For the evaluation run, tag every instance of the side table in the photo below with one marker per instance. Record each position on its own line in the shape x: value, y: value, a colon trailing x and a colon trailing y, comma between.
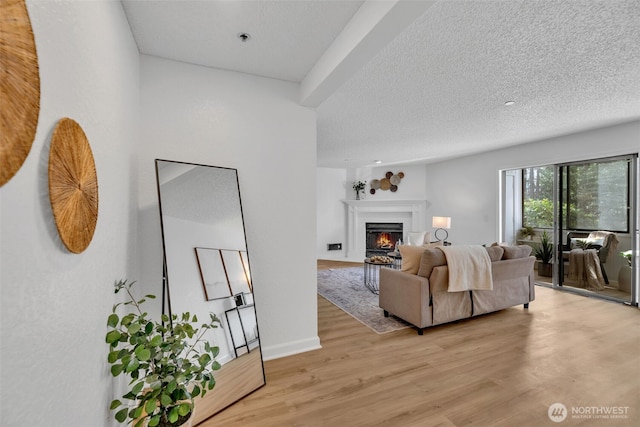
x: 372, y: 274
x: 397, y: 259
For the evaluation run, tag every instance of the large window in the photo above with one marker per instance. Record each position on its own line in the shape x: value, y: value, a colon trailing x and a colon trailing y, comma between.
x: 595, y: 196
x: 537, y: 197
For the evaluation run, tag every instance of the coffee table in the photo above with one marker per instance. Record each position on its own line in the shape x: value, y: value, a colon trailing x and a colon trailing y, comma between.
x: 372, y: 274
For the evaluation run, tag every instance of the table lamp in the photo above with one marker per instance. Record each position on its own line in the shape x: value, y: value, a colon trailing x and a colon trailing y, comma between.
x: 441, y: 223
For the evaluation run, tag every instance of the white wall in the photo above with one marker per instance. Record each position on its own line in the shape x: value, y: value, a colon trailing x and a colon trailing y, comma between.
x: 54, y: 304
x: 467, y: 188
x: 331, y: 220
x: 221, y: 118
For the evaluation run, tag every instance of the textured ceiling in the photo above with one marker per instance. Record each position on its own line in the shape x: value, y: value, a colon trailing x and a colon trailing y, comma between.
x: 437, y: 89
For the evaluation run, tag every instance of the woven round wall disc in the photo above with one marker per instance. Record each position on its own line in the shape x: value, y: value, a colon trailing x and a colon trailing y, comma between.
x: 385, y: 184
x: 73, y: 185
x: 19, y: 87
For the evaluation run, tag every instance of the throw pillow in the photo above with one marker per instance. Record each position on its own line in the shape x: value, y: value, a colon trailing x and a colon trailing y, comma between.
x: 415, y: 238
x: 495, y: 252
x: 410, y: 258
x: 432, y: 257
x: 594, y: 241
x: 519, y: 251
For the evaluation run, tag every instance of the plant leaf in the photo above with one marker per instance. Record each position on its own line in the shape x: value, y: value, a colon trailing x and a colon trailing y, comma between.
x: 113, y: 356
x: 154, y: 421
x: 204, y: 359
x: 132, y: 365
x: 115, y: 404
x: 126, y: 320
x: 143, y: 353
x: 150, y: 406
x: 184, y: 409
x: 165, y: 400
x: 215, y: 351
x: 113, y: 337
x: 155, y: 341
x: 133, y: 328
x: 117, y: 369
x: 173, y: 415
x: 137, y: 388
x: 121, y: 415
x: 137, y: 412
x: 112, y: 321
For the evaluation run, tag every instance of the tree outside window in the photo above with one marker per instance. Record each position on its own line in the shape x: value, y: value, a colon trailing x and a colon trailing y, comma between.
x: 537, y: 197
x: 595, y: 196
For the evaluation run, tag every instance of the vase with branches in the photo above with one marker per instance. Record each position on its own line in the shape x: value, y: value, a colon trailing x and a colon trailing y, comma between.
x: 359, y: 187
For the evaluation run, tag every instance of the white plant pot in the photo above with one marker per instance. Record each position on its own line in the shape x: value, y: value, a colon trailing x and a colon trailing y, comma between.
x: 624, y: 278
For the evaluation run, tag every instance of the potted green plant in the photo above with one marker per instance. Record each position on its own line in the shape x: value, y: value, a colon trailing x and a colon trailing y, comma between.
x: 624, y: 274
x: 527, y: 232
x: 544, y: 252
x: 358, y: 187
x: 168, y: 362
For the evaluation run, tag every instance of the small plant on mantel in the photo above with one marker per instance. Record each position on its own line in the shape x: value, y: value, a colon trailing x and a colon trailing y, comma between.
x: 358, y: 187
x: 169, y: 363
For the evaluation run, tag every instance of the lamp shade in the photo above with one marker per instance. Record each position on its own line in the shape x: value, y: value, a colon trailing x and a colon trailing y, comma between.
x: 441, y: 222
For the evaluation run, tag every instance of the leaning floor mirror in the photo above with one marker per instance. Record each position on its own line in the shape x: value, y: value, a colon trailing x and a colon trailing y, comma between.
x: 207, y: 271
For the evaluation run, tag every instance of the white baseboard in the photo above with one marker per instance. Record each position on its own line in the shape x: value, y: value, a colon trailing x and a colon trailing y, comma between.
x: 290, y: 348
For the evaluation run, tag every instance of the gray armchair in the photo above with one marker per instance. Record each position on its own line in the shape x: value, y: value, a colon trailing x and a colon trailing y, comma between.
x: 592, y: 240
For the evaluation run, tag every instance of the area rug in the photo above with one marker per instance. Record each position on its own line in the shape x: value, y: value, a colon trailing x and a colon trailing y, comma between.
x: 344, y: 287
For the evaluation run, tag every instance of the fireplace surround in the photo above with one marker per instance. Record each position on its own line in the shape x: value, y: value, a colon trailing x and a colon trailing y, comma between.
x: 381, y: 237
x: 411, y: 213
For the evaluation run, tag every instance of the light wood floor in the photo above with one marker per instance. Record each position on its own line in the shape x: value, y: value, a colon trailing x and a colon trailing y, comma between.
x: 502, y: 369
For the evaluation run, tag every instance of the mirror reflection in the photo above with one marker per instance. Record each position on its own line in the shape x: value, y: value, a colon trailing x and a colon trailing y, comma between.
x: 208, y: 271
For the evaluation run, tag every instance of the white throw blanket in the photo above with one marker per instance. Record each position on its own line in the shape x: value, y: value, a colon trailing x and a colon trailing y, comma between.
x: 469, y: 268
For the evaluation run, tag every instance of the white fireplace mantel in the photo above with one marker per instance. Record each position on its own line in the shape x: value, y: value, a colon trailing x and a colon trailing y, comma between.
x: 411, y: 213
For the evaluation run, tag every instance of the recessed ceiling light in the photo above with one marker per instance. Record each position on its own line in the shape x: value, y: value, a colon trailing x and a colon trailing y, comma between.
x: 509, y: 103
x: 244, y: 37
x: 377, y: 162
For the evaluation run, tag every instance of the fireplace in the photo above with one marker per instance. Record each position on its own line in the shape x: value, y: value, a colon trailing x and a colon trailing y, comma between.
x: 381, y: 237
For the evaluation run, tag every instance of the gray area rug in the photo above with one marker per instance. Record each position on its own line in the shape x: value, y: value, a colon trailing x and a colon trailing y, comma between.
x: 344, y: 287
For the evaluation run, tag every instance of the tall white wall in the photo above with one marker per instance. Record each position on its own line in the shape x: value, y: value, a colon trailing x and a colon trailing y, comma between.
x: 221, y: 118
x: 467, y: 189
x: 54, y: 304
x: 331, y: 188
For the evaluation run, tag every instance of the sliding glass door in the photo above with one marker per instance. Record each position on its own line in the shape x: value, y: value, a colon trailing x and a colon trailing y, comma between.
x: 595, y: 224
x: 588, y: 210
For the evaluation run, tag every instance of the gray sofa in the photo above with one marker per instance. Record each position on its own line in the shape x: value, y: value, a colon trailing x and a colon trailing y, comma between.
x: 422, y: 299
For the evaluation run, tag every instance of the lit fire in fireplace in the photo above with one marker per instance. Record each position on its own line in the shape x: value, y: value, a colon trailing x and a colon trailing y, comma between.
x: 384, y: 241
